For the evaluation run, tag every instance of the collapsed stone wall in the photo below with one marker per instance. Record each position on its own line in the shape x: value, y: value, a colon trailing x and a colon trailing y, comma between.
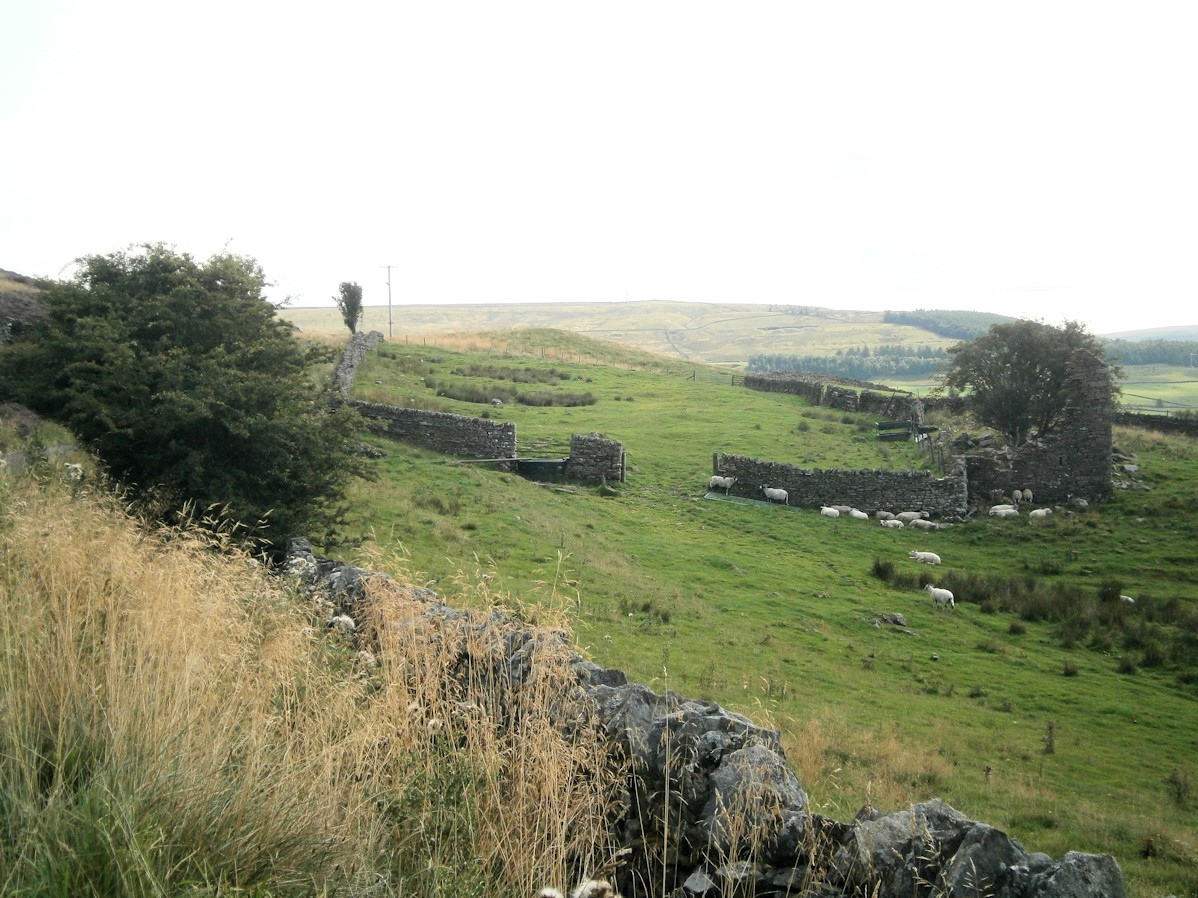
x: 867, y: 490
x: 595, y: 459
x: 451, y: 434
x: 1074, y: 461
x: 705, y: 785
x: 351, y: 358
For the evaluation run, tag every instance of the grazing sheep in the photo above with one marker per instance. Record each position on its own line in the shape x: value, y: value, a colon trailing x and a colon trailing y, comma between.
x: 908, y: 516
x: 775, y: 495
x: 892, y: 523
x: 721, y: 483
x: 941, y: 596
x: 920, y: 524
x: 1017, y: 496
x: 925, y: 557
x: 883, y: 516
x: 829, y: 512
x: 1004, y: 512
x: 1039, y: 513
x: 1027, y: 496
x: 1127, y: 600
x: 859, y: 515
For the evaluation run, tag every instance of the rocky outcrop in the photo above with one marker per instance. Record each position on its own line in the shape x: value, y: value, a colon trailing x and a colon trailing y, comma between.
x: 709, y: 795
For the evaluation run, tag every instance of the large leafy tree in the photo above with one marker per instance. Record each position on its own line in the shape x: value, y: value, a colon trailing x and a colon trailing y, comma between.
x: 191, y: 391
x: 1017, y: 375
x: 349, y: 301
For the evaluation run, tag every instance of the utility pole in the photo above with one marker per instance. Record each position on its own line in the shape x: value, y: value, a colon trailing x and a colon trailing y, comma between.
x: 390, y: 330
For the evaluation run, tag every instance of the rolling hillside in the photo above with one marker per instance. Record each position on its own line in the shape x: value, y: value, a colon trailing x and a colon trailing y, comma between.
x: 1065, y: 731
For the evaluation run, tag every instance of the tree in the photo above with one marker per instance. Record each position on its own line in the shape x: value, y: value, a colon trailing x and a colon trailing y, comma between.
x: 350, y: 304
x: 192, y: 393
x: 1017, y: 375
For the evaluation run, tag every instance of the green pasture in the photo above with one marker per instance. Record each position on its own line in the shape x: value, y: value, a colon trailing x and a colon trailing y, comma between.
x: 768, y: 610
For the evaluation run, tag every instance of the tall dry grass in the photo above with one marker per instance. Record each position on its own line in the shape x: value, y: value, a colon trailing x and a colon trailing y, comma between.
x: 173, y: 722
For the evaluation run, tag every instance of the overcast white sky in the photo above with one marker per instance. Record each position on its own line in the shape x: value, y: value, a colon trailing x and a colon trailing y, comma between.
x: 1035, y: 159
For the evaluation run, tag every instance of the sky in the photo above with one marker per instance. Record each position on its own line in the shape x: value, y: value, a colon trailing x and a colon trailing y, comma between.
x: 1031, y: 159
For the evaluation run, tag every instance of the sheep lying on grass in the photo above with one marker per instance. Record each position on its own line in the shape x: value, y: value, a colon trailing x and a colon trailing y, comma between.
x: 925, y: 557
x: 828, y: 512
x: 1039, y: 513
x: 892, y: 523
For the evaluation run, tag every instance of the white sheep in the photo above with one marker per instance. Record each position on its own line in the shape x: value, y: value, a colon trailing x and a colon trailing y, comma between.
x: 997, y: 512
x: 883, y: 516
x: 1127, y: 600
x: 74, y: 472
x: 921, y: 524
x: 775, y: 495
x: 1017, y: 496
x: 829, y: 512
x: 1027, y: 496
x: 941, y: 596
x: 843, y: 509
x: 1039, y: 513
x: 892, y: 523
x: 925, y: 557
x: 858, y: 515
x: 908, y: 516
x: 721, y: 483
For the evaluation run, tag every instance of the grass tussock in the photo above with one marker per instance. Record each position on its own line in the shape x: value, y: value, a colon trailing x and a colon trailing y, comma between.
x: 173, y: 722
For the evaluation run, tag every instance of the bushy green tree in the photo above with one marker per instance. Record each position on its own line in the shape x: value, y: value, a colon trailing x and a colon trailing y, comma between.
x: 349, y: 301
x: 183, y: 381
x: 1017, y: 375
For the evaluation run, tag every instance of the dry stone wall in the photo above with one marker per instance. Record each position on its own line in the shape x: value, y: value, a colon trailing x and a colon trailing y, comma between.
x: 868, y: 490
x: 451, y: 434
x: 594, y: 458
x: 859, y: 396
x: 355, y: 351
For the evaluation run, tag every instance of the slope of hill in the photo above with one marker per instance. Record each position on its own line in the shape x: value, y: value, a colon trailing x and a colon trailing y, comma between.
x: 696, y: 332
x: 20, y: 297
x: 1183, y: 332
x: 1056, y: 727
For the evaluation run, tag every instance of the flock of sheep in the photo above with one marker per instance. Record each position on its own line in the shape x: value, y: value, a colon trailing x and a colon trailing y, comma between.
x: 915, y: 519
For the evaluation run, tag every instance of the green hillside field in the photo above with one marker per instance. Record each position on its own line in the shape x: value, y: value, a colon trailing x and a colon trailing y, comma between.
x: 1062, y: 718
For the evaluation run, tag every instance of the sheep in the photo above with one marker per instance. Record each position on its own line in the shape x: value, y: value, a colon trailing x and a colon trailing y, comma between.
x: 858, y: 515
x: 941, y: 596
x: 892, y: 523
x: 829, y: 512
x: 883, y: 516
x: 998, y: 512
x: 1027, y: 496
x: 1001, y: 507
x: 1039, y: 513
x: 588, y: 888
x: 721, y: 483
x: 843, y: 509
x: 925, y: 557
x: 908, y: 516
x: 920, y: 524
x: 1127, y: 600
x: 74, y: 472
x: 775, y: 495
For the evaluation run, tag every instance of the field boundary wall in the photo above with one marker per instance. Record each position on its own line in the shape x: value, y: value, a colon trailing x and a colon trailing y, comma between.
x: 869, y: 490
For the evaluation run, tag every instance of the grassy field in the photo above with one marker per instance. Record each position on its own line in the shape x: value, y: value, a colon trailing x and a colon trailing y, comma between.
x: 1074, y: 732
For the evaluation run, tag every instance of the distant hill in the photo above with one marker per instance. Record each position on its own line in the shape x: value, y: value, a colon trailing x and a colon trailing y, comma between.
x: 1181, y: 332
x: 959, y: 325
x: 715, y: 333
